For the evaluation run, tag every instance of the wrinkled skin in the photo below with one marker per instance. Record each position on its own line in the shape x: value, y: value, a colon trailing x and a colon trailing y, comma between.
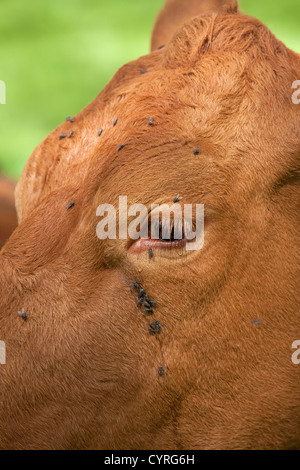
x: 82, y: 371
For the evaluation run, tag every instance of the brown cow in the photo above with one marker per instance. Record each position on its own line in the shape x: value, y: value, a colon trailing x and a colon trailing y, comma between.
x: 82, y: 369
x: 8, y: 216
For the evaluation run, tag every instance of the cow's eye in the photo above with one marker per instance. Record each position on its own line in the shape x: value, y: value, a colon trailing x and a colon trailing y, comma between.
x: 162, y: 234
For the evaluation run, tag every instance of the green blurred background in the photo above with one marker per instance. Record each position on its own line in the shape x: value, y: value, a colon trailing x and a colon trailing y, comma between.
x: 57, y: 55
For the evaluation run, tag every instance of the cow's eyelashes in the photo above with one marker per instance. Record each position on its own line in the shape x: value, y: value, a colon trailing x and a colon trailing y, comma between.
x: 165, y: 234
x: 166, y: 231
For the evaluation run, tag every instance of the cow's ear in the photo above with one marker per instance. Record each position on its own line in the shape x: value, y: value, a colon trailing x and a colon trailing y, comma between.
x: 176, y: 12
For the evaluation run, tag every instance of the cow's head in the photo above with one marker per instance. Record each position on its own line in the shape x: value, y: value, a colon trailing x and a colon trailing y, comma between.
x: 83, y: 370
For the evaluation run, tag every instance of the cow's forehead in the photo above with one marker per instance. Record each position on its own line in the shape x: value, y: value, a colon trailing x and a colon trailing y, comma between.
x: 207, y: 87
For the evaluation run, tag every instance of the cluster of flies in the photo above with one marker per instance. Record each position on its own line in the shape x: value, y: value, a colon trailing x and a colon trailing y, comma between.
x: 148, y: 305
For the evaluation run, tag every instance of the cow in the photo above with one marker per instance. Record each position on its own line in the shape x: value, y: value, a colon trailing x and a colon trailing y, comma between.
x: 206, y: 118
x: 8, y: 216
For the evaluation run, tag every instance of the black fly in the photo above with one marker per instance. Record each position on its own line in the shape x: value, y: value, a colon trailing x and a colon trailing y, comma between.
x: 155, y: 327
x: 177, y: 198
x: 142, y: 292
x: 152, y: 328
x: 148, y: 311
x: 22, y: 314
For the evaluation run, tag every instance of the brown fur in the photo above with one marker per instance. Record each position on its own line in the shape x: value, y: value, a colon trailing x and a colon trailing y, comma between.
x: 176, y: 12
x: 8, y: 216
x: 82, y: 371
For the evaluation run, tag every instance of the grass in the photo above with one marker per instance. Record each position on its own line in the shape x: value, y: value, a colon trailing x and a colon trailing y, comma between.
x: 57, y: 56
